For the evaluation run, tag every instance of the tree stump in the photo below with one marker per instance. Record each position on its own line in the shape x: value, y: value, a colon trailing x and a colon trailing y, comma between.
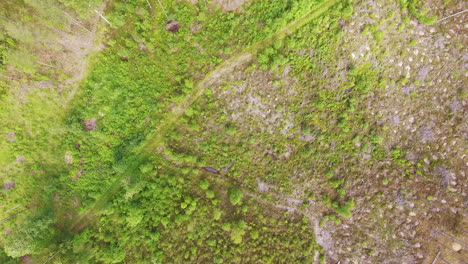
x: 90, y: 124
x: 172, y: 26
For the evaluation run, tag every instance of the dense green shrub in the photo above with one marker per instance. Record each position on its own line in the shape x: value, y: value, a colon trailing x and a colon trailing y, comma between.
x: 235, y: 196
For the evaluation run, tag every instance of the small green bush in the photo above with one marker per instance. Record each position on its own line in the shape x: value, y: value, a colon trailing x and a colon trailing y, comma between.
x: 235, y: 196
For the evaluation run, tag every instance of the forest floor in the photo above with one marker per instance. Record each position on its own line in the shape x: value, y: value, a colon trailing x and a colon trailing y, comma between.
x: 351, y: 122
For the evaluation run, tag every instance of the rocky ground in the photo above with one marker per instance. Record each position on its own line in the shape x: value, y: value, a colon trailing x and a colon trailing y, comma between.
x: 424, y: 109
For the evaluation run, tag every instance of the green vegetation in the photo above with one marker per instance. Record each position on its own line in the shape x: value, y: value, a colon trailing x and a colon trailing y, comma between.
x: 421, y: 15
x: 235, y: 196
x: 345, y: 209
x: 229, y: 141
x: 101, y: 188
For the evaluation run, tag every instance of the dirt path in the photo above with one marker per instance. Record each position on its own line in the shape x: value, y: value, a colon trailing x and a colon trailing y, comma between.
x: 156, y: 139
x: 86, y: 46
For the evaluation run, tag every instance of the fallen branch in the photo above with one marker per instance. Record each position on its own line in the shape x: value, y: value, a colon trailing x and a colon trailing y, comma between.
x: 454, y: 238
x: 8, y: 217
x: 76, y: 22
x: 147, y: 1
x: 162, y: 7
x: 11, y: 209
x: 58, y: 251
x: 447, y: 17
x: 97, y: 12
x: 442, y: 244
x: 436, y: 257
x: 49, y: 66
x: 8, y: 19
x: 8, y: 77
x: 445, y: 261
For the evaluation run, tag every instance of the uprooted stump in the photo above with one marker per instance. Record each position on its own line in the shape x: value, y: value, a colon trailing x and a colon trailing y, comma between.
x: 90, y: 124
x: 172, y: 26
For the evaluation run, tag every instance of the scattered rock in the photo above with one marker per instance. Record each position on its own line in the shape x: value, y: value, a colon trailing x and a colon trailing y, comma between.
x: 413, y: 158
x: 439, y: 42
x: 142, y: 46
x: 342, y: 23
x: 195, y: 27
x: 8, y: 185
x: 419, y: 255
x: 408, y: 89
x: 366, y: 156
x: 263, y: 186
x: 286, y: 70
x: 399, y: 198
x: 294, y: 202
x: 426, y: 134
x: 226, y: 168
x: 422, y: 74
x: 302, y: 52
x: 395, y: 119
x: 307, y: 138
x: 229, y: 5
x: 139, y: 11
x: 68, y: 158
x: 456, y: 247
x: 446, y: 175
x: 173, y: 26
x: 78, y: 175
x: 11, y: 136
x: 454, y: 106
x: 90, y: 124
x: 20, y: 159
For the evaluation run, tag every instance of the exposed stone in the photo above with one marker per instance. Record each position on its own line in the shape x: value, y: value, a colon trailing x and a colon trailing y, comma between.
x: 11, y: 136
x: 454, y: 106
x: 456, y: 247
x: 263, y: 186
x: 142, y: 46
x: 20, y: 159
x: 423, y: 72
x: 195, y: 27
x: 426, y: 134
x: 68, y: 158
x: 8, y: 185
